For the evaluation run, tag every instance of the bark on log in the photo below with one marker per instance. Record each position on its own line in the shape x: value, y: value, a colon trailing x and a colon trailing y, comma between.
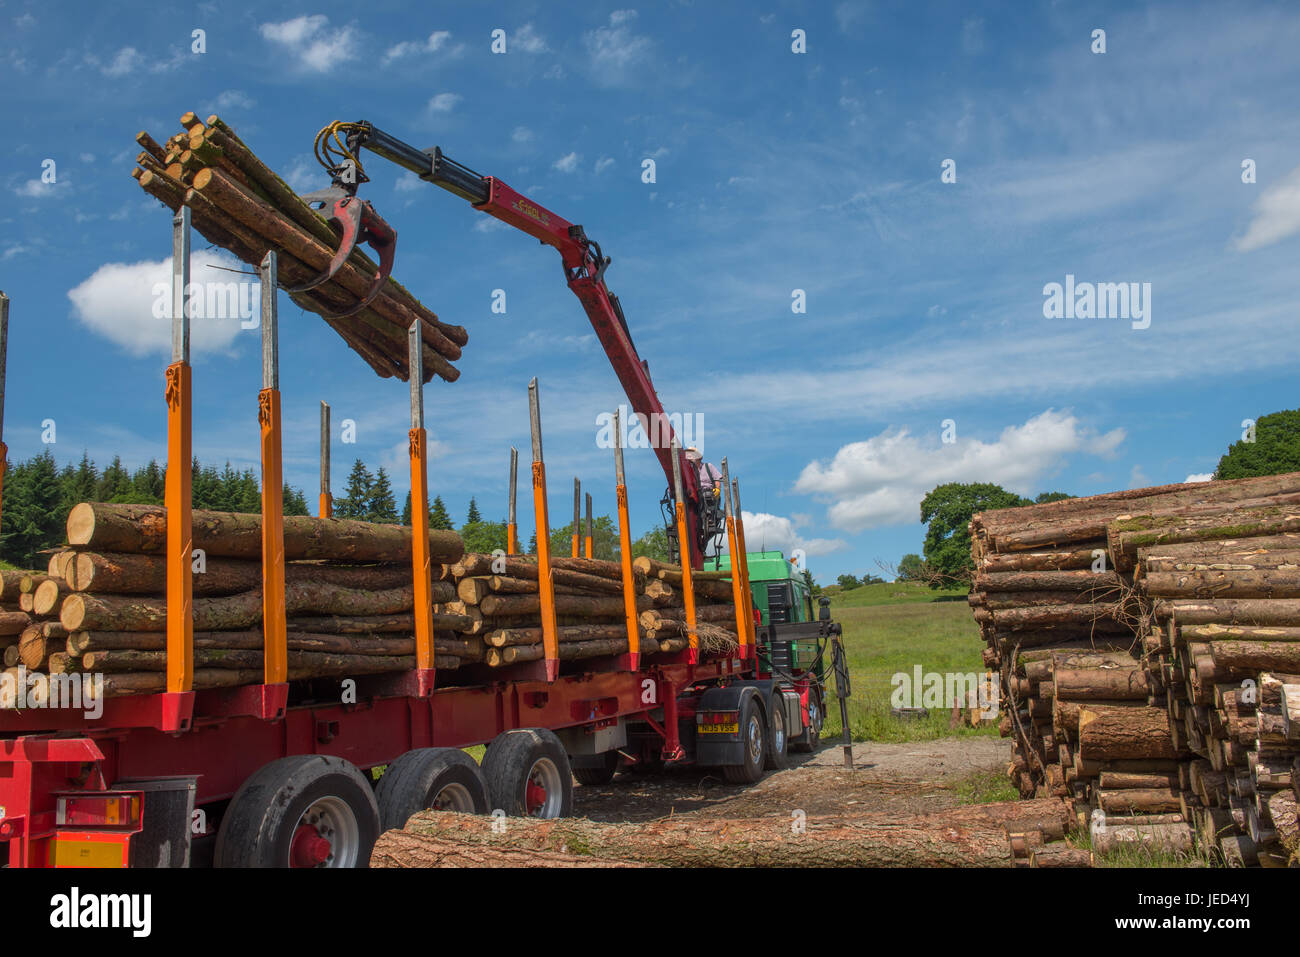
x: 1116, y: 683
x: 961, y: 837
x: 578, y: 605
x: 1110, y: 732
x: 142, y: 528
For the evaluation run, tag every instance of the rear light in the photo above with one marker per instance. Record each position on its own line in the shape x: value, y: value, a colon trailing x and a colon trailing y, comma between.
x: 717, y: 717
x: 120, y: 810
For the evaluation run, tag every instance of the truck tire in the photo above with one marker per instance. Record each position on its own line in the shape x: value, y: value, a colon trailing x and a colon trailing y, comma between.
x: 528, y: 774
x: 594, y: 777
x: 753, y: 736
x: 811, y: 738
x: 446, y: 779
x: 778, y: 741
x: 308, y: 810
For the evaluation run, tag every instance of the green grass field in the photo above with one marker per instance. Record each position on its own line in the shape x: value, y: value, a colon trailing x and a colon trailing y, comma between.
x: 890, y: 629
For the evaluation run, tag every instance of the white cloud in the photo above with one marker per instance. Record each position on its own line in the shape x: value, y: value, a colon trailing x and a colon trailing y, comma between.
x: 117, y: 301
x: 528, y: 40
x: 881, y: 481
x: 1200, y: 477
x: 487, y: 224
x: 127, y: 60
x: 1137, y: 478
x: 306, y: 175
x: 436, y: 41
x: 12, y: 251
x: 408, y: 182
x: 615, y: 49
x: 603, y: 164
x: 567, y: 164
x: 1276, y: 214
x: 25, y: 21
x: 764, y: 530
x: 444, y: 102
x: 522, y: 134
x: 38, y: 189
x: 309, y: 40
x: 234, y: 100
x: 972, y: 36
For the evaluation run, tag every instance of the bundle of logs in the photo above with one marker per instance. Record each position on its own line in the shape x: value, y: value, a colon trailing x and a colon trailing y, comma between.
x: 348, y: 600
x: 500, y: 596
x: 1105, y: 618
x: 238, y: 203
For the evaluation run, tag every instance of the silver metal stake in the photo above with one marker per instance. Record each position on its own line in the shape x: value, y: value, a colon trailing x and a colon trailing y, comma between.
x: 181, y: 285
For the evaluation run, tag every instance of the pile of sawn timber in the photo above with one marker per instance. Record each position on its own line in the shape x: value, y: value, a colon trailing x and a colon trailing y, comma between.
x: 348, y: 597
x: 238, y: 203
x: 1145, y: 644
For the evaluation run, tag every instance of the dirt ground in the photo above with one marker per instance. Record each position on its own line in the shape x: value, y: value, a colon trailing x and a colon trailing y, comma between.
x: 911, y: 778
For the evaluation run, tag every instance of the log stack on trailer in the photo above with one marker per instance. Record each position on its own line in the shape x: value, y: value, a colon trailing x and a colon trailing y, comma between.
x: 241, y: 205
x: 1095, y: 693
x: 348, y: 602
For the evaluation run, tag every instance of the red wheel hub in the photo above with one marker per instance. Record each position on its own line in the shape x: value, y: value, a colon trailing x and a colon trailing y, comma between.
x: 534, y: 797
x: 308, y: 849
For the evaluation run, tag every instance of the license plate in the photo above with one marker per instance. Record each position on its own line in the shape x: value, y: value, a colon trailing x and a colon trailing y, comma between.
x: 731, y: 727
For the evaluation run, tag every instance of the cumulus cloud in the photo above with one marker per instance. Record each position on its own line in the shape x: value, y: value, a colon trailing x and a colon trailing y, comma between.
x: 1276, y: 214
x: 437, y: 41
x: 1200, y: 477
x: 310, y: 41
x: 528, y: 40
x: 764, y: 530
x: 119, y: 301
x: 444, y: 102
x: 615, y: 49
x: 234, y: 100
x: 881, y: 481
x: 568, y: 163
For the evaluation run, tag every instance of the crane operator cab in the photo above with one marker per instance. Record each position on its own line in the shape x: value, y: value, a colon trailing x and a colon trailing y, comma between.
x: 711, y: 519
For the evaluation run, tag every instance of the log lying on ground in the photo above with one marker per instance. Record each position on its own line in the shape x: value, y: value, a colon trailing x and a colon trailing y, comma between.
x: 972, y: 836
x: 143, y: 529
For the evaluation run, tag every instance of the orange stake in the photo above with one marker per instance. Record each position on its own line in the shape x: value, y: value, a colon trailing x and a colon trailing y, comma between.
x: 421, y: 566
x: 746, y: 590
x: 274, y: 630
x: 545, y: 584
x: 275, y: 654
x: 684, y: 556
x: 577, y: 517
x: 180, y: 538
x: 625, y: 554
x: 180, y: 465
x: 512, y: 527
x: 737, y: 581
x: 586, y: 547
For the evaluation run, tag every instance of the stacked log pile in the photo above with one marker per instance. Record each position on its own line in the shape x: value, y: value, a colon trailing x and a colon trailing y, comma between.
x: 21, y: 630
x: 1223, y: 639
x: 238, y: 203
x: 500, y: 596
x: 1068, y: 613
x: 348, y: 600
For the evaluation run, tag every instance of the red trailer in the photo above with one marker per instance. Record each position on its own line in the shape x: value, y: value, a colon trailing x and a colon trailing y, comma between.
x: 232, y: 778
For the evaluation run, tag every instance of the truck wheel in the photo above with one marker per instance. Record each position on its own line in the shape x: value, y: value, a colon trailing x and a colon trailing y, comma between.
x: 599, y: 775
x: 777, y: 739
x: 753, y: 735
x: 309, y: 810
x: 528, y: 774
x: 445, y: 779
x: 812, y: 736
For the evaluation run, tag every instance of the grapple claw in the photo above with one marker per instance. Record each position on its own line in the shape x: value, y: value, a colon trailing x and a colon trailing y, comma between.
x: 358, y: 222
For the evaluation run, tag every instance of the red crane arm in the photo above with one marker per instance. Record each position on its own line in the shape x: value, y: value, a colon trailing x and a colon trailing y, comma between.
x: 584, y: 269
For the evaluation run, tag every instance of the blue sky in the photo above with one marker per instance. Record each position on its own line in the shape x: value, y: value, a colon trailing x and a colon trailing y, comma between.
x: 775, y: 171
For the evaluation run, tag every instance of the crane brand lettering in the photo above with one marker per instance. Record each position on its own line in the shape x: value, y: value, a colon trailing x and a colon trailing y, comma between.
x: 1102, y: 300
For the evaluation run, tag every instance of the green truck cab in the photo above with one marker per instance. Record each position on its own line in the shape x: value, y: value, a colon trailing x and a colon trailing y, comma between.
x: 781, y: 595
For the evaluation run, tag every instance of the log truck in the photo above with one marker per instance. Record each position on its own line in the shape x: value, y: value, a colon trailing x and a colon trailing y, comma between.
x: 289, y: 776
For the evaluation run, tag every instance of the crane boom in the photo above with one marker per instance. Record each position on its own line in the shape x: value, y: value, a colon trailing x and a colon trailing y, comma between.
x: 584, y: 272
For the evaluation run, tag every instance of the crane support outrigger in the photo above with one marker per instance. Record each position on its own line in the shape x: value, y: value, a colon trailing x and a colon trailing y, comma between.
x: 337, y: 148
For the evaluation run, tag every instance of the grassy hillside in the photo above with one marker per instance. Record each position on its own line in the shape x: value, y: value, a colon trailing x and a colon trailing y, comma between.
x: 890, y: 629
